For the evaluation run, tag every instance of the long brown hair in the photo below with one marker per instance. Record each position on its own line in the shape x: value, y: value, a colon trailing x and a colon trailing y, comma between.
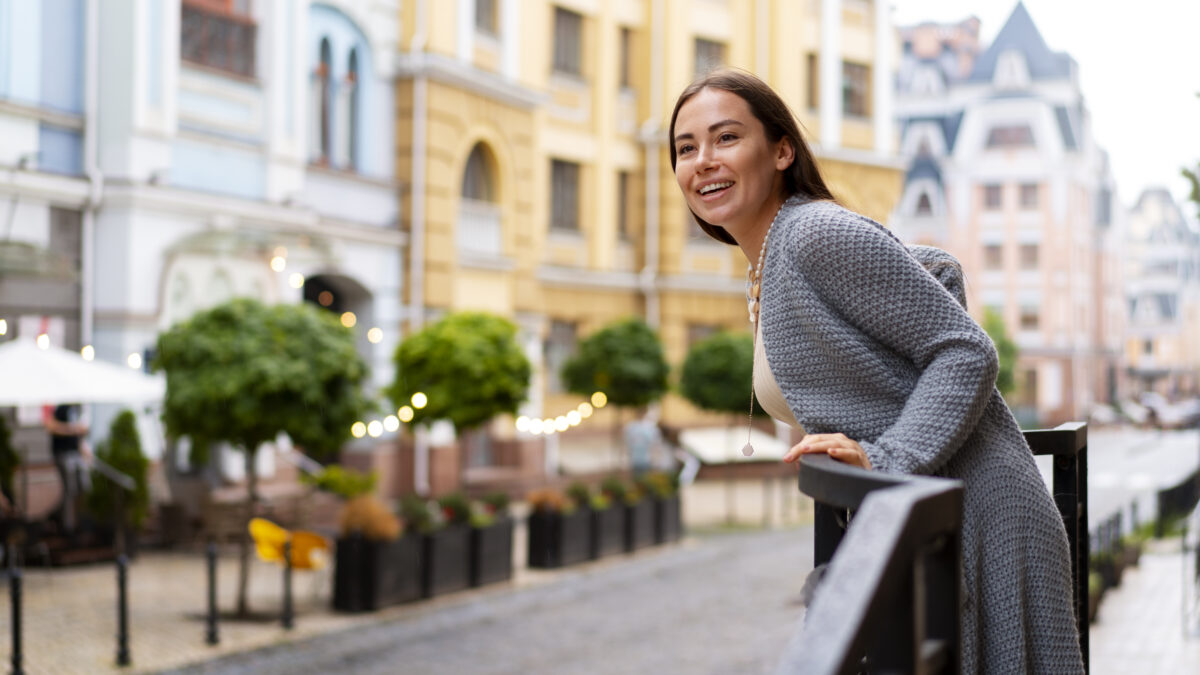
x: 802, y: 177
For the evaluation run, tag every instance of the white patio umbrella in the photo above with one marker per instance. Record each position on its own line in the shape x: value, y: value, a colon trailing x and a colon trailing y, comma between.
x: 30, y: 375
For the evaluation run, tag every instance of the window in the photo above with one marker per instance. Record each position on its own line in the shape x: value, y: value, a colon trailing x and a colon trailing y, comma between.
x: 626, y: 57
x: 991, y: 197
x: 477, y: 180
x: 1029, y: 196
x: 1148, y: 347
x: 700, y: 331
x: 924, y: 206
x: 1029, y: 256
x: 345, y: 150
x: 1028, y: 387
x: 322, y: 92
x: 1029, y: 317
x: 709, y: 56
x: 218, y: 34
x: 568, y: 42
x: 564, y: 195
x: 485, y: 16
x: 993, y: 257
x: 813, y: 79
x: 559, y: 346
x: 1010, y: 136
x: 623, y: 206
x: 856, y: 89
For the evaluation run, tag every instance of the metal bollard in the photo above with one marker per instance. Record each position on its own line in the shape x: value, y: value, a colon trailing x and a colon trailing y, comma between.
x: 210, y: 634
x: 288, y: 617
x: 14, y: 594
x: 122, y: 611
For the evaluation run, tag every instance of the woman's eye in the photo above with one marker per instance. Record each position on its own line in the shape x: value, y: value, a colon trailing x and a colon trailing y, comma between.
x: 684, y: 149
x: 727, y: 137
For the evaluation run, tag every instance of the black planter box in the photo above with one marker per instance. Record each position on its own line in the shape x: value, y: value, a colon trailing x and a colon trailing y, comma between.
x: 668, y: 524
x: 639, y: 525
x: 557, y: 539
x: 445, y: 556
x: 608, y: 531
x: 491, y: 553
x: 370, y: 575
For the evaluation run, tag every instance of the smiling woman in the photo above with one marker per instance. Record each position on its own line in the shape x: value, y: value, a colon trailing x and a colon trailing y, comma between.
x: 860, y: 345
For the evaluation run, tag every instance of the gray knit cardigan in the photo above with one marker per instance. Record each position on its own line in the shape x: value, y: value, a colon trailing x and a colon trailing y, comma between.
x: 864, y: 341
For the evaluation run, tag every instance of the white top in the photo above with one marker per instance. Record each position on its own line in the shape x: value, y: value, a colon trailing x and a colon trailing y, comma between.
x: 766, y: 388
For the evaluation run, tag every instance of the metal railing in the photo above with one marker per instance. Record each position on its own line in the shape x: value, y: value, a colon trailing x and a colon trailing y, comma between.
x: 890, y: 597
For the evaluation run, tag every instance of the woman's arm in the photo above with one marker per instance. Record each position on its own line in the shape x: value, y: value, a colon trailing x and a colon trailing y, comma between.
x: 867, y: 277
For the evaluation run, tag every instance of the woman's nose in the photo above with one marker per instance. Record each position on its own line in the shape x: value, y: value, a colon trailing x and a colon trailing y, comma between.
x: 706, y: 157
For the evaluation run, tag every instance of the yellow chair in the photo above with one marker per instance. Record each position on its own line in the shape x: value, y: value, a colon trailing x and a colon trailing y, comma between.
x: 310, y: 551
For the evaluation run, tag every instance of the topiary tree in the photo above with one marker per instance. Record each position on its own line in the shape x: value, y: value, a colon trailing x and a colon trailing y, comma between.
x: 468, y: 365
x: 717, y: 374
x: 243, y: 372
x: 1006, y: 349
x: 625, y: 361
x: 122, y: 450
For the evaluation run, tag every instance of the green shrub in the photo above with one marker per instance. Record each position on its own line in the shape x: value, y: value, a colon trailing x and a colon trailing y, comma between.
x: 343, y: 482
x: 122, y: 450
x: 614, y: 488
x: 456, y: 508
x: 416, y: 514
x: 579, y: 493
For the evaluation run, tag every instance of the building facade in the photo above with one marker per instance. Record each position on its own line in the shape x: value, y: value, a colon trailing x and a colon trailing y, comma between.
x: 164, y: 157
x: 1005, y: 173
x: 1162, y: 259
x: 532, y: 136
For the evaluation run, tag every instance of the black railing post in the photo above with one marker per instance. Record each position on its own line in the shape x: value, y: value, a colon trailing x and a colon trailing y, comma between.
x: 288, y: 616
x: 122, y: 611
x: 14, y: 596
x: 210, y: 634
x: 827, y: 531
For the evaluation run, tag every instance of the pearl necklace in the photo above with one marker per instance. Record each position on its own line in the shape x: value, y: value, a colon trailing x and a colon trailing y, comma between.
x: 753, y: 306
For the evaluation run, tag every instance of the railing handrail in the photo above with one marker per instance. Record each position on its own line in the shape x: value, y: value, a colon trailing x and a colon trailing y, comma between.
x: 1065, y: 439
x: 898, y: 520
x: 124, y: 480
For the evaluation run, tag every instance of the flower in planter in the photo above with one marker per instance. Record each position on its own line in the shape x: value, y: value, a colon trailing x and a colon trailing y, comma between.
x: 633, y: 495
x: 614, y: 488
x: 549, y: 500
x: 496, y: 503
x: 490, y: 508
x: 659, y: 484
x: 579, y: 493
x: 415, y: 512
x: 600, y: 502
x: 368, y: 516
x: 455, y: 508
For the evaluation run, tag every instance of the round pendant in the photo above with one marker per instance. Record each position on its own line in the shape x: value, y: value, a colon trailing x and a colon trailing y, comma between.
x: 747, y: 449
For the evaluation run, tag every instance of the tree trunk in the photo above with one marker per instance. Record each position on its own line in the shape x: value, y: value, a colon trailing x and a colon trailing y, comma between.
x: 243, y: 608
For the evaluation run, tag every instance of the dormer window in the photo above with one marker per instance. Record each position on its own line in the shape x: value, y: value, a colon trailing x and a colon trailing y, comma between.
x: 1010, y: 136
x: 1012, y: 72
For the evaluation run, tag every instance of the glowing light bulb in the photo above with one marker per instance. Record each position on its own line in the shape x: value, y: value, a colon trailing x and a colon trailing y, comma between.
x: 419, y: 400
x: 88, y: 352
x: 348, y: 319
x: 3, y: 327
x: 585, y: 410
x: 375, y: 429
x: 599, y: 399
x: 375, y: 335
x: 134, y: 360
x: 535, y: 427
x: 522, y: 423
x: 574, y: 418
x: 358, y: 430
x: 325, y: 298
x: 279, y: 263
x: 43, y: 341
x: 296, y: 280
x: 405, y: 414
x: 391, y: 423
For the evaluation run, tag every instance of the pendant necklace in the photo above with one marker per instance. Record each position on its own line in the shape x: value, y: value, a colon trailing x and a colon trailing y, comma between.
x: 755, y: 292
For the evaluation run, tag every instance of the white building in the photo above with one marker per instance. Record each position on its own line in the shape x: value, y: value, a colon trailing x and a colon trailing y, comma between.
x: 1162, y: 258
x: 1005, y: 174
x: 157, y: 158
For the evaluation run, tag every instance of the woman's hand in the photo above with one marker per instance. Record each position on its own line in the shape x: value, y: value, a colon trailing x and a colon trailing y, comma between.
x: 836, y: 446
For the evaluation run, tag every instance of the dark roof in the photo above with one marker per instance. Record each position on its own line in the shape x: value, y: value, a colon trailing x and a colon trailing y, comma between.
x: 1020, y: 33
x: 949, y: 124
x: 923, y: 167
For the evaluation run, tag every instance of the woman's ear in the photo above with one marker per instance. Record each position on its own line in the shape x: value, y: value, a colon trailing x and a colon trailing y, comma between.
x: 786, y: 154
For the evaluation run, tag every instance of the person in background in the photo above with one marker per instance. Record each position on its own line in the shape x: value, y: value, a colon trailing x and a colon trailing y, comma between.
x: 71, y: 455
x: 643, y: 439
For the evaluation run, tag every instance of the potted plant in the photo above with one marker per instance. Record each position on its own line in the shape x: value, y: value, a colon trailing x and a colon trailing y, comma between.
x: 607, y: 520
x: 374, y: 566
x: 124, y: 511
x: 445, y: 539
x: 559, y: 531
x: 663, y: 489
x: 491, y: 540
x: 639, y: 512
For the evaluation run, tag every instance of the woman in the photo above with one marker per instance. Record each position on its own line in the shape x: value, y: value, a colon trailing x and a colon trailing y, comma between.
x: 861, y: 346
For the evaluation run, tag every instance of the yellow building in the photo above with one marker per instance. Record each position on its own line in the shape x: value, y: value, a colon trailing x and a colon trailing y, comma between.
x: 531, y: 136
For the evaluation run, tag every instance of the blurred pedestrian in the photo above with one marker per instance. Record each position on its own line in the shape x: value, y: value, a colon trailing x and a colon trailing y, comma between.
x: 72, y: 457
x: 642, y: 438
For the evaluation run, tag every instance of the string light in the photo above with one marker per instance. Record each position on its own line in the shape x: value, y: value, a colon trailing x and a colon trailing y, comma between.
x: 134, y: 360
x: 419, y: 400
x: 585, y: 410
x: 391, y: 423
x: 43, y: 341
x: 560, y: 423
x: 574, y: 418
x: 88, y: 352
x: 348, y: 319
x: 405, y: 414
x: 325, y: 298
x: 358, y: 430
x: 278, y: 263
x: 3, y: 326
x: 296, y: 280
x: 375, y: 429
x: 375, y: 335
x: 599, y: 400
x: 522, y: 423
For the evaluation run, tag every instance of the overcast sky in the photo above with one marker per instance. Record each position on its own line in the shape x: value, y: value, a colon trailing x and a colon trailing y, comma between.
x: 1138, y: 65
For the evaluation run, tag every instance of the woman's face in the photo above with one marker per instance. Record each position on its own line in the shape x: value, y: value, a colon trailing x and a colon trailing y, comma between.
x: 731, y: 174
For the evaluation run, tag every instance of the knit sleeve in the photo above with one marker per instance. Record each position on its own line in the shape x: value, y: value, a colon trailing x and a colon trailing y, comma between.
x: 867, y: 277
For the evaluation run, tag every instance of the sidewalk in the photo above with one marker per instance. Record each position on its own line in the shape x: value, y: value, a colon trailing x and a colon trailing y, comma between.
x: 1140, y: 627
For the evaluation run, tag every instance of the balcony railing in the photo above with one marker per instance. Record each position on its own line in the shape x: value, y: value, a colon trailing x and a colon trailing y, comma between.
x: 479, y: 233
x: 889, y: 600
x: 217, y: 40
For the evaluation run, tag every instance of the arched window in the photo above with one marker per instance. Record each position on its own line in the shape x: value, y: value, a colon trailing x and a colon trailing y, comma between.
x: 352, y: 123
x: 321, y: 140
x: 343, y: 116
x: 477, y: 179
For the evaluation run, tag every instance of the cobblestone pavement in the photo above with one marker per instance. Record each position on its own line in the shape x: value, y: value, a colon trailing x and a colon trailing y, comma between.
x: 718, y: 604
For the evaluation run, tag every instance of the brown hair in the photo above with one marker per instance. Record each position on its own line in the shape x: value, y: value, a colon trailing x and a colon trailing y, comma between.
x: 802, y: 177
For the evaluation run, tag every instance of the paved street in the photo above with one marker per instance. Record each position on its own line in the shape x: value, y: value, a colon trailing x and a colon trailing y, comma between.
x: 722, y: 604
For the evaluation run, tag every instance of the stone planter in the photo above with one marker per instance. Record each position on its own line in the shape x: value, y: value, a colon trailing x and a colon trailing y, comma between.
x: 639, y: 525
x: 608, y: 531
x: 491, y: 553
x: 370, y: 575
x: 445, y: 560
x: 557, y: 539
x: 668, y: 524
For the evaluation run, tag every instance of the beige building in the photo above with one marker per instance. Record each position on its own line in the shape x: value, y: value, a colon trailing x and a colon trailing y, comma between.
x: 531, y: 138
